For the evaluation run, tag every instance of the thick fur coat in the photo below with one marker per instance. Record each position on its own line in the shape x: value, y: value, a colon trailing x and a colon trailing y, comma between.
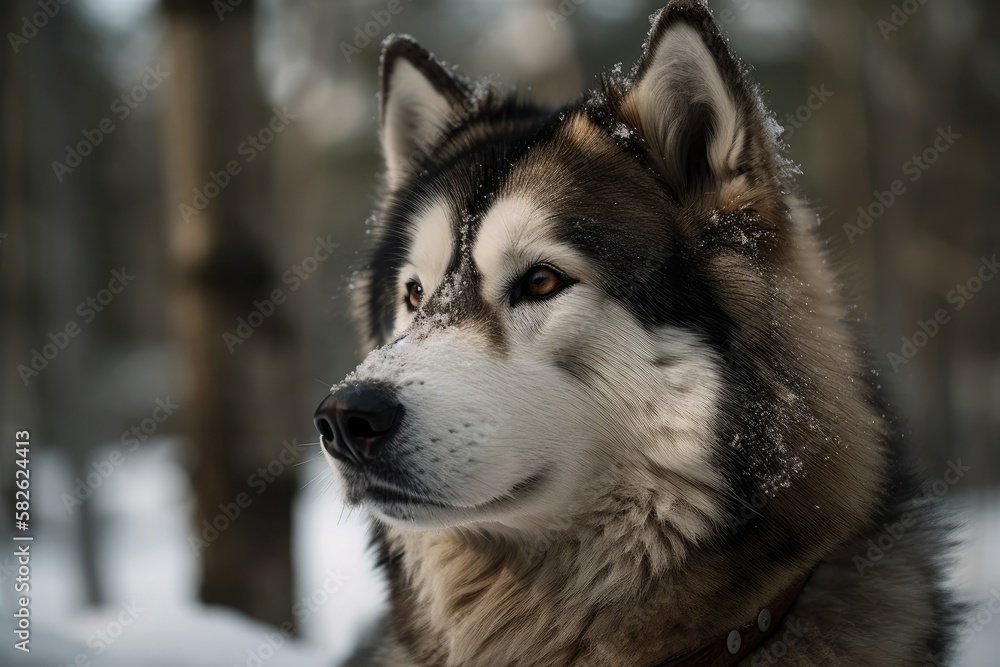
x: 629, y: 404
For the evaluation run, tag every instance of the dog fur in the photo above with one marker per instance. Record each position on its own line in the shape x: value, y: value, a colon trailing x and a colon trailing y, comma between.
x: 633, y: 467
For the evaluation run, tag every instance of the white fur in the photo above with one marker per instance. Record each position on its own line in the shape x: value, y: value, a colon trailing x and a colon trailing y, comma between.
x: 504, y: 229
x: 515, y: 235
x: 416, y: 114
x: 479, y: 422
x: 430, y: 252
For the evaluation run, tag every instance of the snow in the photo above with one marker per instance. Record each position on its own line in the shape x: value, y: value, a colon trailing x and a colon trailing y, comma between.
x: 165, y: 637
x: 623, y: 132
x: 149, y: 572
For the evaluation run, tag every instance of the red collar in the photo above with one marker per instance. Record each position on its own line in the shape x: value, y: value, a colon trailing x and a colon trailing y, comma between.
x: 736, y: 644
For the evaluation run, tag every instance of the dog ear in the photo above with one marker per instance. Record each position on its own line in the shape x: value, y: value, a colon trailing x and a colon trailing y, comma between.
x: 692, y: 104
x: 420, y: 100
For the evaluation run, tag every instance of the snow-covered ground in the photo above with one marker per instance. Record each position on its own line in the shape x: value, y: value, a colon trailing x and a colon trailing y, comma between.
x: 150, y: 573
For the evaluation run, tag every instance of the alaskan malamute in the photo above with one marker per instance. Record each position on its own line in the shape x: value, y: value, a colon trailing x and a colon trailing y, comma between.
x: 615, y: 411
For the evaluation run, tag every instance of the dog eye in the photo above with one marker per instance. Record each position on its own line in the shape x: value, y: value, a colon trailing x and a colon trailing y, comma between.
x: 539, y: 282
x: 414, y: 294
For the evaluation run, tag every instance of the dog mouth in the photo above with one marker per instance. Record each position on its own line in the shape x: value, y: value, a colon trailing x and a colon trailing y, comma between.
x: 398, y: 502
x: 380, y: 493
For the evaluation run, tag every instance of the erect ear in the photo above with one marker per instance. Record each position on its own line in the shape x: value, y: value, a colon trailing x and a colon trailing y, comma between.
x: 421, y: 99
x: 693, y: 106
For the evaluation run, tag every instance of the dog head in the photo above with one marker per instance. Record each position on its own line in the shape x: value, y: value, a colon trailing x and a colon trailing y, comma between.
x: 565, y: 305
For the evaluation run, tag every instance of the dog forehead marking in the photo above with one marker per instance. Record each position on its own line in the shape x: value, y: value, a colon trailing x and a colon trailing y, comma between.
x: 513, y: 222
x: 432, y: 245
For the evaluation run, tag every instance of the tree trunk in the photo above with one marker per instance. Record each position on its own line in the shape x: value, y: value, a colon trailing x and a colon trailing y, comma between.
x: 240, y: 402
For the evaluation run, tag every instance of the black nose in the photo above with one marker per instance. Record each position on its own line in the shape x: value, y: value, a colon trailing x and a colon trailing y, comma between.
x: 356, y: 420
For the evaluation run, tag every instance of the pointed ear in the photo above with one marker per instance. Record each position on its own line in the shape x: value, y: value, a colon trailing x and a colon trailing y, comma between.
x: 421, y: 99
x: 693, y: 105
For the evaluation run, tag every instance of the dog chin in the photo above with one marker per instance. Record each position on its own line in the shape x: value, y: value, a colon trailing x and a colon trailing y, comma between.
x: 414, y: 517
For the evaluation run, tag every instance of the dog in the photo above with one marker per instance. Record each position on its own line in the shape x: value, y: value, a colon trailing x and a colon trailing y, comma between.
x: 614, y: 409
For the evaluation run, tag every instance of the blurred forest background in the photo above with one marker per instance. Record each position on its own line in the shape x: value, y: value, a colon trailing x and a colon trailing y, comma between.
x: 184, y: 186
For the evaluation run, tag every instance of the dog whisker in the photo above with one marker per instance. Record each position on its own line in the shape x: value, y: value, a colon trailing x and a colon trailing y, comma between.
x: 325, y: 471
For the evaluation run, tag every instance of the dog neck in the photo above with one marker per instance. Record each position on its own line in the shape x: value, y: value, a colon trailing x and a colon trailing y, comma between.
x: 616, y: 592
x: 738, y: 643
